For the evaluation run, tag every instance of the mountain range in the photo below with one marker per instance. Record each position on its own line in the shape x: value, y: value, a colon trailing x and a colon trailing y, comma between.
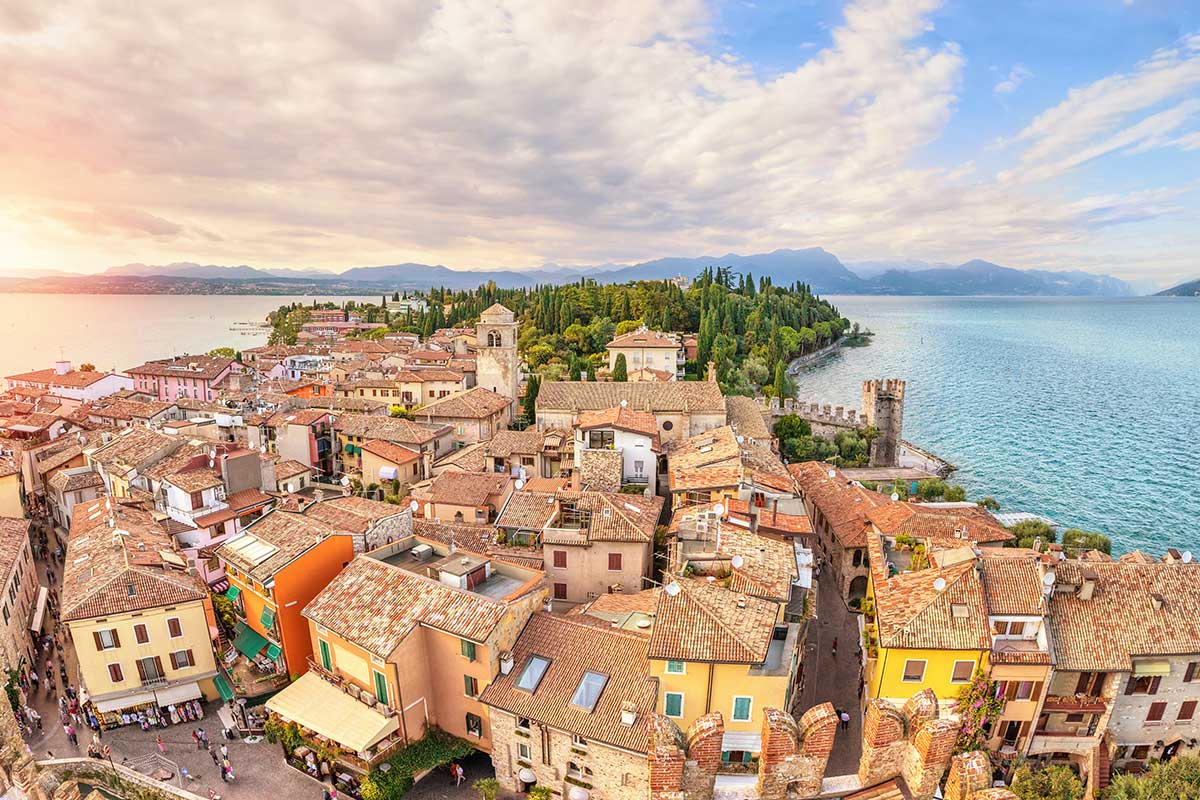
x: 817, y: 267
x: 1186, y: 289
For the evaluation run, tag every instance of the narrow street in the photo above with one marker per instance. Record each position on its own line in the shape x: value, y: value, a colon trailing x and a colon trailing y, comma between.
x: 834, y: 679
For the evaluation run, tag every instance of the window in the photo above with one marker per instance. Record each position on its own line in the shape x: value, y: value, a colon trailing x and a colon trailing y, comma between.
x: 150, y: 669
x: 326, y: 656
x: 470, y: 686
x: 141, y: 634
x: 468, y: 649
x: 174, y: 627
x: 914, y: 670
x: 532, y: 674
x: 474, y: 725
x: 1157, y: 710
x: 1027, y: 690
x: 1075, y: 717
x: 741, y: 708
x: 1187, y: 710
x: 1003, y: 628
x: 523, y: 724
x: 673, y: 704
x: 676, y: 668
x: 106, y: 639
x: 614, y: 562
x: 577, y: 772
x: 1141, y: 751
x: 560, y: 591
x: 1143, y: 685
x: 115, y: 674
x: 600, y: 440
x: 578, y: 742
x: 560, y: 559
x: 1192, y: 672
x: 197, y: 499
x: 668, y: 425
x: 963, y: 670
x: 181, y: 659
x: 523, y: 752
x: 381, y: 692
x: 588, y: 691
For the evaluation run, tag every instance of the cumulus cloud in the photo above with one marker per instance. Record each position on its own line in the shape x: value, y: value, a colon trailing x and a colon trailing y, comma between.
x: 476, y: 132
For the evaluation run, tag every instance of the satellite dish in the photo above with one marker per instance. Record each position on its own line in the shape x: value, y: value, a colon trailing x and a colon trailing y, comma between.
x: 1048, y: 579
x: 1187, y: 556
x: 895, y: 496
x: 262, y: 448
x: 287, y: 487
x: 833, y: 473
x: 940, y: 584
x: 672, y: 588
x: 719, y: 509
x: 345, y: 480
x: 624, y: 403
x: 519, y: 484
x: 737, y: 562
x: 413, y: 506
x: 211, y: 462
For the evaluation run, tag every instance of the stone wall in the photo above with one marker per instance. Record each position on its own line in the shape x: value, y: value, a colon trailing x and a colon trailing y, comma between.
x: 386, y: 531
x: 600, y: 470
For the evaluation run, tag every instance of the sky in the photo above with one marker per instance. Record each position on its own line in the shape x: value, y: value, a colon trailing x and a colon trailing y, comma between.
x: 511, y: 133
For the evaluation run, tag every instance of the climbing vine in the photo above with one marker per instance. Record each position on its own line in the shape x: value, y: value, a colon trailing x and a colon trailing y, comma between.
x: 978, y: 708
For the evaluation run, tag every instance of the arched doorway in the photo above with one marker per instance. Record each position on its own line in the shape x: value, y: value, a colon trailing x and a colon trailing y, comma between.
x: 858, y: 588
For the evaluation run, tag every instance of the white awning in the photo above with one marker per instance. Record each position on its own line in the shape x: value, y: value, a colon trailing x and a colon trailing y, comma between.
x: 388, y: 473
x: 742, y: 740
x: 178, y: 694
x: 128, y: 701
x: 319, y: 706
x: 1160, y: 668
x: 39, y: 612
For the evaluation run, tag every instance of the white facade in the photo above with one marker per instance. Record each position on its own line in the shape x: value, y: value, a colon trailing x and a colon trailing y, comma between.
x: 639, y: 462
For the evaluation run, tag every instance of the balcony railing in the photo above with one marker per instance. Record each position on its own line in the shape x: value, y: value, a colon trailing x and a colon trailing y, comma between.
x: 1050, y: 742
x: 349, y: 687
x: 154, y: 683
x: 637, y: 480
x: 1075, y: 703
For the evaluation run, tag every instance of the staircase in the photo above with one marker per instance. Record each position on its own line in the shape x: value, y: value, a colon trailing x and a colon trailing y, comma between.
x: 1103, y: 767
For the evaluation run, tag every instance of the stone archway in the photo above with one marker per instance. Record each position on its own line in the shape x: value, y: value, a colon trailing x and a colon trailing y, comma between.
x: 858, y: 587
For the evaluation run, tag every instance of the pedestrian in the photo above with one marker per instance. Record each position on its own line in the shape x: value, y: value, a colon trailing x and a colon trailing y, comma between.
x: 212, y: 751
x: 457, y: 771
x: 196, y: 739
x: 71, y: 737
x: 325, y: 795
x: 835, y: 640
x: 845, y: 718
x: 203, y: 736
x: 162, y: 748
x: 224, y: 750
x: 33, y: 678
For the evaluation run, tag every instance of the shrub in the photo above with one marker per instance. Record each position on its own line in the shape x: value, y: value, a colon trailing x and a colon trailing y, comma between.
x: 434, y: 749
x: 1055, y: 782
x: 488, y: 788
x: 540, y: 793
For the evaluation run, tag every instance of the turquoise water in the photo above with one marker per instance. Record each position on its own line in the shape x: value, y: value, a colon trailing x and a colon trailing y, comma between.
x: 1085, y: 410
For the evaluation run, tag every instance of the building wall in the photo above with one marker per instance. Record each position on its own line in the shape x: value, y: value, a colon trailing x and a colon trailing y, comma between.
x: 296, y: 585
x: 447, y: 668
x: 19, y: 594
x: 93, y: 663
x: 296, y: 442
x: 616, y: 774
x: 1128, y: 723
x: 498, y: 368
x: 727, y: 681
x: 587, y: 575
x: 887, y: 681
x: 662, y: 358
x: 407, y: 473
x: 10, y: 496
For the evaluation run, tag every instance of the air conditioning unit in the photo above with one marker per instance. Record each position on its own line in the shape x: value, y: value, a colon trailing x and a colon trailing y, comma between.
x: 701, y: 526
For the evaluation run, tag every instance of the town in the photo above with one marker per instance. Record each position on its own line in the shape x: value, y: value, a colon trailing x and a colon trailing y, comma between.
x: 410, y: 548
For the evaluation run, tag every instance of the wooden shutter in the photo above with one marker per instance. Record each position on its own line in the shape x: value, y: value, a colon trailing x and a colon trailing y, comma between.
x: 1187, y: 710
x: 114, y: 673
x: 191, y: 660
x: 174, y: 627
x: 141, y: 670
x: 1156, y: 712
x: 1036, y: 692
x: 1154, y: 682
x: 1085, y: 679
x: 96, y: 636
x: 116, y: 638
x: 1129, y: 686
x: 1190, y: 673
x: 158, y: 665
x: 560, y: 558
x: 614, y: 561
x: 141, y: 634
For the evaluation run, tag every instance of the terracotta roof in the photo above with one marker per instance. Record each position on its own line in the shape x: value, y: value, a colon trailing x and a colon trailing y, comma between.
x: 528, y: 442
x: 648, y: 374
x: 477, y: 403
x: 745, y: 416
x: 376, y: 605
x: 71, y: 481
x: 844, y: 504
x: 194, y: 480
x: 645, y: 338
x: 290, y: 467
x: 913, y: 613
x: 74, y: 379
x: 706, y: 622
x: 14, y: 538
x: 716, y: 459
x: 122, y: 569
x: 8, y: 467
x: 476, y: 538
x: 204, y: 367
x: 574, y: 646
x: 466, y: 488
x: 297, y: 416
x: 1012, y: 585
x: 771, y: 518
x: 63, y: 449
x: 1124, y: 619
x: 496, y: 310
x: 939, y: 523
x: 394, y: 453
x: 644, y: 602
x: 540, y: 484
x: 352, y: 514
x: 466, y: 459
x: 133, y: 447
x: 238, y: 502
x: 621, y: 418
x: 389, y: 429
x: 287, y: 534
x: 694, y: 397
x: 613, y: 517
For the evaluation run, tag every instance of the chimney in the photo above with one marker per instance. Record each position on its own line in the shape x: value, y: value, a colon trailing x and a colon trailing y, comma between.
x: 712, y: 372
x: 506, y: 662
x: 62, y: 367
x: 318, y: 495
x: 628, y: 713
x: 1158, y: 601
x: 1088, y: 586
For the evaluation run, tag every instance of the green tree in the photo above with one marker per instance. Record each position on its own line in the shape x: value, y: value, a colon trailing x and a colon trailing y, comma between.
x: 223, y: 352
x: 620, y: 372
x: 780, y: 387
x: 488, y: 788
x: 1075, y: 541
x: 627, y: 325
x: 990, y: 503
x: 955, y: 494
x: 529, y: 404
x: 1177, y: 779
x: 1027, y: 531
x: 1055, y: 782
x: 538, y: 355
x: 931, y: 488
x: 87, y: 367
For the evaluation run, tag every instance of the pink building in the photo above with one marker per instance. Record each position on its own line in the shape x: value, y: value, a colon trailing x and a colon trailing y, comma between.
x: 183, y: 376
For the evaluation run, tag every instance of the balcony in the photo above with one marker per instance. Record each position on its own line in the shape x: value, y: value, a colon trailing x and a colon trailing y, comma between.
x: 636, y: 480
x: 1076, y: 704
x: 1049, y: 742
x: 350, y: 688
x: 154, y: 682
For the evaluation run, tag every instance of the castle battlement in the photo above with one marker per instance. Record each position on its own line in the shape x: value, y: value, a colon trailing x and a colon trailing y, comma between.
x: 827, y: 414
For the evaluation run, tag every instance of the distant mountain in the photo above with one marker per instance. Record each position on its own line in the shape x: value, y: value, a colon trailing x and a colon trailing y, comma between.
x: 814, y: 266
x: 1188, y: 289
x: 870, y: 269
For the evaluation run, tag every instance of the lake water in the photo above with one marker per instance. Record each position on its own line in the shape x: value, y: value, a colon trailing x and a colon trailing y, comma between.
x: 1085, y: 410
x: 122, y: 331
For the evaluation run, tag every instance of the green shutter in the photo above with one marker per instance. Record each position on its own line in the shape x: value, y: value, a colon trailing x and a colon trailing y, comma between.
x: 741, y: 709
x: 223, y: 687
x: 326, y: 659
x: 468, y: 686
x: 381, y: 687
x: 268, y: 617
x: 673, y: 705
x: 232, y: 592
x: 468, y: 650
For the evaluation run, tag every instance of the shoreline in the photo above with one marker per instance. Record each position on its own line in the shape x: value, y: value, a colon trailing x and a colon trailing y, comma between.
x: 794, y: 365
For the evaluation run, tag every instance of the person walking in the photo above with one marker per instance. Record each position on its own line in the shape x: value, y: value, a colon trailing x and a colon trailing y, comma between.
x: 196, y: 738
x: 162, y: 748
x: 224, y: 751
x: 203, y: 736
x: 845, y: 718
x: 835, y: 641
x: 212, y: 751
x: 71, y: 737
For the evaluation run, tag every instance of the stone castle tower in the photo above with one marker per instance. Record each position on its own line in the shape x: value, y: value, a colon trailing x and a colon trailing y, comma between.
x: 496, y: 365
x: 883, y: 409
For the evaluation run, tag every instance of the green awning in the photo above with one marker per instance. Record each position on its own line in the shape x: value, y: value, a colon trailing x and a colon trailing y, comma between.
x: 248, y: 641
x: 233, y: 591
x: 223, y: 687
x: 273, y: 650
x: 268, y: 617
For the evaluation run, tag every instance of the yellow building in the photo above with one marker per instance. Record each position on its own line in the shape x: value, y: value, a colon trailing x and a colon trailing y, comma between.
x: 141, y: 624
x: 718, y: 465
x: 10, y: 490
x: 383, y: 462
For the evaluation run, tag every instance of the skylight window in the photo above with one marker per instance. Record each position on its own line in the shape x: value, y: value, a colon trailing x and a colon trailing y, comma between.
x: 531, y: 676
x: 588, y: 691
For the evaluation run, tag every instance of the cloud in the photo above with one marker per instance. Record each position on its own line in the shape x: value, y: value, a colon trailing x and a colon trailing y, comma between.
x: 476, y: 132
x: 1016, y: 76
